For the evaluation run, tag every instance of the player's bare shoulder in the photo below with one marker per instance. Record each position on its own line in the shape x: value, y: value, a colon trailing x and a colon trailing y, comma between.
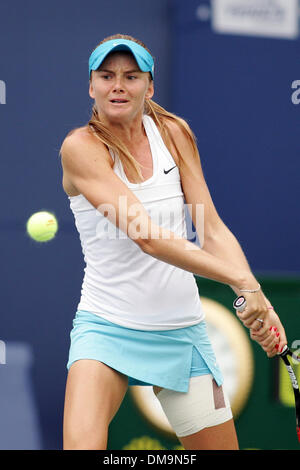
x: 82, y: 144
x: 176, y: 135
x: 178, y: 129
x: 81, y: 152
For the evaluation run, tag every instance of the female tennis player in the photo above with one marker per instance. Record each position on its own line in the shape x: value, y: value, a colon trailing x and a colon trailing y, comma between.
x: 140, y: 320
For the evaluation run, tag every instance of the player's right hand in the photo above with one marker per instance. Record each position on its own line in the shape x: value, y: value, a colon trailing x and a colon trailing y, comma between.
x: 274, y: 339
x: 256, y: 307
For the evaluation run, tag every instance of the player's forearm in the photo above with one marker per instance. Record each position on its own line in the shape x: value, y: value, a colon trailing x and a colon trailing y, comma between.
x: 188, y: 256
x: 225, y: 246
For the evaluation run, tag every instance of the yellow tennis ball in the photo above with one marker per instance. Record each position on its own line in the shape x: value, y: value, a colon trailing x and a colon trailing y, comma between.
x: 42, y: 226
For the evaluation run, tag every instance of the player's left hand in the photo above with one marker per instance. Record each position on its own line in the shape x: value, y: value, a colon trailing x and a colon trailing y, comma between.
x: 274, y: 339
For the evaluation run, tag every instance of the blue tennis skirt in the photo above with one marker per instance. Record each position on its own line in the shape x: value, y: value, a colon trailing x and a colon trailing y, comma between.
x: 166, y: 358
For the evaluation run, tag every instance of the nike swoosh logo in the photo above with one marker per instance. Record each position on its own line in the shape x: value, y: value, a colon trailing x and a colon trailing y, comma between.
x: 168, y: 171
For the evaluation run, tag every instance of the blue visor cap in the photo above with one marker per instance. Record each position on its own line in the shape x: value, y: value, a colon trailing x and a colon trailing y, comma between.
x: 141, y: 55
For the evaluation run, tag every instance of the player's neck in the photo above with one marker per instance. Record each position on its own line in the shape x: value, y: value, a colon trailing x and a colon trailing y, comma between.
x: 131, y: 133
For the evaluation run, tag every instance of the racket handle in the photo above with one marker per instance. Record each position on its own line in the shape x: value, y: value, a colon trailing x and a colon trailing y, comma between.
x: 240, y: 303
x: 285, y: 351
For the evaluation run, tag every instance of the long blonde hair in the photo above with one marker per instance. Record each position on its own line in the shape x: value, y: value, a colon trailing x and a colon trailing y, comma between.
x: 152, y: 109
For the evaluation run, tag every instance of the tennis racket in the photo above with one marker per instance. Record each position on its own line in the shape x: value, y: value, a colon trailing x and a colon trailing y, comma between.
x: 240, y: 304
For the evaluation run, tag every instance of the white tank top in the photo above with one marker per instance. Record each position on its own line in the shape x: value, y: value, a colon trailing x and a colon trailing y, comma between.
x: 123, y: 284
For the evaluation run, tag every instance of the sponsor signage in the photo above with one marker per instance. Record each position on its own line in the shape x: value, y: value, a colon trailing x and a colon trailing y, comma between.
x: 272, y: 18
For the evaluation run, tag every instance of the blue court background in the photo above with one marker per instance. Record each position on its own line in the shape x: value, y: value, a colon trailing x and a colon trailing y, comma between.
x: 234, y: 91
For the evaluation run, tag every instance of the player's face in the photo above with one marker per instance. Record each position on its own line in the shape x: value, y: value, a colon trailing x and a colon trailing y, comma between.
x: 119, y: 88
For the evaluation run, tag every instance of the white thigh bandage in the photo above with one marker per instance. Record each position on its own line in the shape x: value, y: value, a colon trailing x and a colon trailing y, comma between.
x: 204, y: 405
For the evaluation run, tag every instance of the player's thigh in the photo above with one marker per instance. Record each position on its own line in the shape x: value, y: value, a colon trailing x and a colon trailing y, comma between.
x: 94, y: 393
x: 201, y: 418
x: 220, y: 437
